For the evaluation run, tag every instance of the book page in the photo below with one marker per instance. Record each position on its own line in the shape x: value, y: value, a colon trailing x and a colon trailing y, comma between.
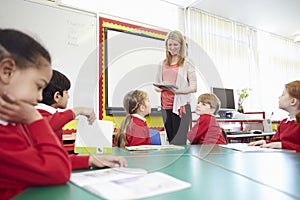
x: 106, y: 182
x: 153, y: 147
x: 245, y: 148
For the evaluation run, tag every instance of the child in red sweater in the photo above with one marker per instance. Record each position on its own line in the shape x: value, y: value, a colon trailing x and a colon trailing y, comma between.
x: 133, y: 129
x: 31, y: 155
x: 56, y: 96
x: 206, y: 130
x: 288, y: 132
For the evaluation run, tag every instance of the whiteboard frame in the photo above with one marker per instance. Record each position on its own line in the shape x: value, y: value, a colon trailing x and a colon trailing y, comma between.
x: 105, y: 111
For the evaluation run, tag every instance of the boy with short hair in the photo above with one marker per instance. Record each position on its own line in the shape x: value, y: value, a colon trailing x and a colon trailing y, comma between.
x: 207, y: 130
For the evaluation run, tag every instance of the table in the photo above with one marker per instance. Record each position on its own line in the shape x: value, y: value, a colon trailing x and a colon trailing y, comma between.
x: 213, y: 171
x: 249, y: 137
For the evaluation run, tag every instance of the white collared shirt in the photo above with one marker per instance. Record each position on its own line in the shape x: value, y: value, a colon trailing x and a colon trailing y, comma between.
x: 4, y: 123
x: 139, y: 116
x: 289, y: 119
x: 45, y: 107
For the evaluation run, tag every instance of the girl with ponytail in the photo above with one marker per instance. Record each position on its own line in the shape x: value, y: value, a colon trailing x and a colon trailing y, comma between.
x: 134, y: 129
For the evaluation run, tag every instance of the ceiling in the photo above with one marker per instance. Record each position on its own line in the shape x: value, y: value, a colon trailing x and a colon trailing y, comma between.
x: 281, y: 17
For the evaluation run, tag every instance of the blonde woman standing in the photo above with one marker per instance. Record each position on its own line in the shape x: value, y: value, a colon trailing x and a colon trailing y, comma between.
x: 175, y: 102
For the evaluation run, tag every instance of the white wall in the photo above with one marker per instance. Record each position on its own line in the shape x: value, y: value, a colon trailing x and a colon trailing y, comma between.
x: 69, y: 35
x: 155, y: 12
x: 48, y: 27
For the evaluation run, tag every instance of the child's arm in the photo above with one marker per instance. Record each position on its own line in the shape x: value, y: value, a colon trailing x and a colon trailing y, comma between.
x: 32, y: 154
x: 59, y: 119
x: 88, y: 112
x: 34, y: 157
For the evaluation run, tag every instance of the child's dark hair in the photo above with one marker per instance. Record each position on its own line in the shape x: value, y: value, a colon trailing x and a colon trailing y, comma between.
x: 293, y: 89
x: 22, y: 48
x: 131, y: 102
x: 210, y: 99
x: 58, y: 83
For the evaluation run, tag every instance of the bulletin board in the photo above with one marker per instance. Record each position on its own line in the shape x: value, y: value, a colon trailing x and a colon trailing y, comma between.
x: 129, y: 57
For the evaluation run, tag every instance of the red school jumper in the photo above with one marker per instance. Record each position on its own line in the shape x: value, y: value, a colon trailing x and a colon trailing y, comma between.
x: 288, y: 133
x: 31, y: 155
x: 138, y: 132
x: 57, y: 120
x: 206, y: 131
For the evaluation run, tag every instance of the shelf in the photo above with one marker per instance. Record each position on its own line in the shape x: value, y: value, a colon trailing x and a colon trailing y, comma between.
x: 240, y: 120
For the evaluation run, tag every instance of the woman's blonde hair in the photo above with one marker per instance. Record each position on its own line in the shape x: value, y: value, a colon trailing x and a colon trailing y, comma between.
x: 210, y: 99
x: 178, y: 37
x: 131, y: 103
x: 293, y: 89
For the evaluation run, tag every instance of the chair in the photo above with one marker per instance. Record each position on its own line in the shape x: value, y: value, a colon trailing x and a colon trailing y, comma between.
x: 225, y: 136
x: 155, y: 137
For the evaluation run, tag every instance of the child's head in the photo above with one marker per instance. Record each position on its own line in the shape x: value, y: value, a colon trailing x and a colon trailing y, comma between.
x: 208, y: 104
x: 137, y: 102
x: 25, y: 66
x: 290, y: 98
x: 134, y: 102
x: 56, y: 92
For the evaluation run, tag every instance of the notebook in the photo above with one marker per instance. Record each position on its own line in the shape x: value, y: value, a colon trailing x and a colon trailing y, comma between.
x: 243, y: 147
x: 95, y: 138
x: 126, y: 183
x: 165, y: 85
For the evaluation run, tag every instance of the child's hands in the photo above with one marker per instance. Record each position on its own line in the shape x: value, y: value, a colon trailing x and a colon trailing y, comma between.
x: 88, y: 112
x: 258, y: 143
x: 273, y: 145
x: 263, y: 144
x: 107, y: 161
x: 17, y: 111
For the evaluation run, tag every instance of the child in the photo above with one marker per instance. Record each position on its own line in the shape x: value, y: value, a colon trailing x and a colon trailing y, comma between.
x: 55, y: 96
x: 31, y: 154
x: 207, y: 130
x: 133, y: 129
x: 288, y: 132
x: 176, y: 69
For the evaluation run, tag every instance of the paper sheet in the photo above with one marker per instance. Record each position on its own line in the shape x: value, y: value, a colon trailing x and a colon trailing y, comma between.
x: 106, y: 182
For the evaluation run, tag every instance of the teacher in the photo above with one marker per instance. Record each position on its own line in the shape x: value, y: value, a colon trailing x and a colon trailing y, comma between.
x: 175, y: 101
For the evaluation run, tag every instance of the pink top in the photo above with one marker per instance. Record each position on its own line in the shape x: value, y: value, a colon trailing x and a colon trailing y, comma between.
x: 169, y: 74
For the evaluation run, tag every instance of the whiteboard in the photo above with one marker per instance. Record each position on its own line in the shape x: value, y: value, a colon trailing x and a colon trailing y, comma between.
x: 69, y: 35
x: 132, y: 64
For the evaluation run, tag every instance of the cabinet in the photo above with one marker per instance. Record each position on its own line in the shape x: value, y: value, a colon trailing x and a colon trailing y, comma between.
x: 242, y: 123
x: 246, y: 124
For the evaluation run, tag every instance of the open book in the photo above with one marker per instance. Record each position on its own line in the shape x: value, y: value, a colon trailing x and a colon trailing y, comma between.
x: 165, y: 85
x: 127, y: 183
x: 245, y: 148
x: 153, y: 147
